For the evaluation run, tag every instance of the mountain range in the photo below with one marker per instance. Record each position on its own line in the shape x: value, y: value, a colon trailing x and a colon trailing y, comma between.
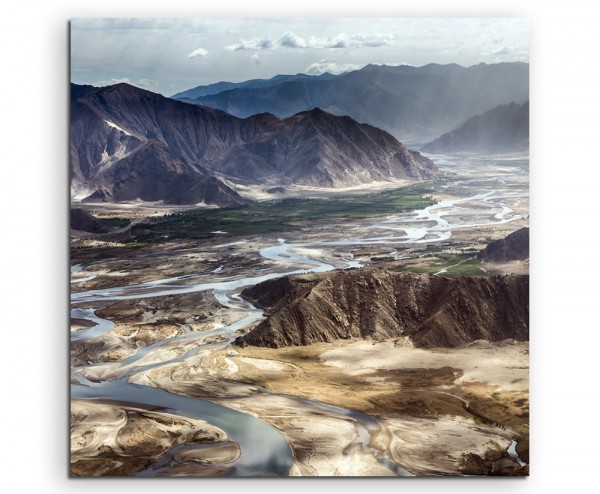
x: 128, y: 143
x: 219, y: 87
x: 414, y: 104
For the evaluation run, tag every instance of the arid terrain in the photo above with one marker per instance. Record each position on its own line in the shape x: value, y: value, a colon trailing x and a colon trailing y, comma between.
x: 166, y: 379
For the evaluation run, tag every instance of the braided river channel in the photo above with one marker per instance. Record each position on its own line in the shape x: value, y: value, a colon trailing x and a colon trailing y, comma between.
x: 475, y: 193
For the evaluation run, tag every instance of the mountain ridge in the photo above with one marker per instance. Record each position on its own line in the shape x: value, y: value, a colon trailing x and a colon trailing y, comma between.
x: 377, y: 304
x: 218, y: 87
x: 111, y: 125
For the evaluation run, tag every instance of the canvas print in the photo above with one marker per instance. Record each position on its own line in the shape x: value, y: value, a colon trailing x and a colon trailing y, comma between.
x: 299, y: 247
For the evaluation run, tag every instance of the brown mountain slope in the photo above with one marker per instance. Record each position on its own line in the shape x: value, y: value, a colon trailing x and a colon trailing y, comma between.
x: 378, y: 304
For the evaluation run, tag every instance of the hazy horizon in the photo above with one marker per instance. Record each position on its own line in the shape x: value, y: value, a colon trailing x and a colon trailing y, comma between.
x: 171, y: 55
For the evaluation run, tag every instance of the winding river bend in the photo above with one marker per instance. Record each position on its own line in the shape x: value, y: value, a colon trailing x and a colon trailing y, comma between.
x: 478, y: 199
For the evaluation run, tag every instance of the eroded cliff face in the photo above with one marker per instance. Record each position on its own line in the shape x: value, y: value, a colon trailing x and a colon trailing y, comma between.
x: 377, y: 304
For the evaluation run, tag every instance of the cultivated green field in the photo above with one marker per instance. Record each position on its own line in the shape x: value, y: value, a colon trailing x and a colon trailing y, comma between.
x: 455, y: 265
x: 283, y: 215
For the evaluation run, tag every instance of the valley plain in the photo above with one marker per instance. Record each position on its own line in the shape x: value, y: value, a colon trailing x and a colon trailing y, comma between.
x: 161, y: 384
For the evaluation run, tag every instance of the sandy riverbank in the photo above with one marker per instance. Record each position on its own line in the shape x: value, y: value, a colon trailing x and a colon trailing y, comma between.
x: 417, y: 396
x: 118, y: 440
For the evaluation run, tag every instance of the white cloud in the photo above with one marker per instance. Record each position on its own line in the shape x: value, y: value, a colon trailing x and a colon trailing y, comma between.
x: 359, y: 40
x: 252, y: 44
x: 292, y: 40
x: 501, y: 50
x: 198, y: 52
x: 255, y: 58
x: 392, y: 64
x: 330, y: 66
x: 111, y: 82
x: 371, y: 40
x: 148, y: 83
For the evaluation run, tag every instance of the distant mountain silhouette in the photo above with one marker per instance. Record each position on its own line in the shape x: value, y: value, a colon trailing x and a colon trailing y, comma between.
x: 219, y: 87
x: 503, y: 129
x: 416, y: 103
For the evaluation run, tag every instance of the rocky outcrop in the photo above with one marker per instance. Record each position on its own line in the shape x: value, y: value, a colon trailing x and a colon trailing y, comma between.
x: 83, y: 221
x: 378, y: 304
x: 514, y: 247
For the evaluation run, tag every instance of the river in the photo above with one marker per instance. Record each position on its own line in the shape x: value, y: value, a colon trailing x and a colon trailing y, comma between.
x: 482, y: 195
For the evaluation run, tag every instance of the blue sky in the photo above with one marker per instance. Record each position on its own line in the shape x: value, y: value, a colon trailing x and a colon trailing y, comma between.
x: 167, y: 55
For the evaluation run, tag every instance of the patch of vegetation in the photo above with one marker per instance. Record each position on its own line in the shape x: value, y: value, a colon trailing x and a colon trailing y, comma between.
x: 454, y: 264
x: 382, y: 259
x: 282, y: 215
x: 303, y: 280
x: 416, y: 403
x: 416, y: 378
x: 469, y: 268
x: 115, y: 222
